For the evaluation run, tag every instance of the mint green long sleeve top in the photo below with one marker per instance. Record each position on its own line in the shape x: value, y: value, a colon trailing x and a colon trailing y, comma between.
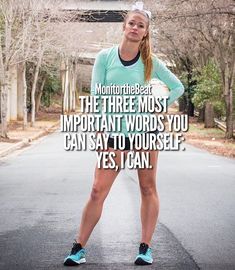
x: 109, y: 70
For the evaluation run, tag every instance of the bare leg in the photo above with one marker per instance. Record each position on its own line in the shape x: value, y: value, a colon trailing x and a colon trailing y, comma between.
x: 149, y: 199
x: 103, y: 181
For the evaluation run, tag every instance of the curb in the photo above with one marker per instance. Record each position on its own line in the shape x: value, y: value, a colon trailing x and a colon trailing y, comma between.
x: 26, y: 142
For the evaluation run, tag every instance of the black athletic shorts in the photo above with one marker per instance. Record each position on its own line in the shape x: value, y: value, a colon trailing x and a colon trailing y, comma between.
x: 127, y: 141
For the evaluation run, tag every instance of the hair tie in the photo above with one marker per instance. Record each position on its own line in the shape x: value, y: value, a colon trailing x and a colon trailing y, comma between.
x: 139, y: 5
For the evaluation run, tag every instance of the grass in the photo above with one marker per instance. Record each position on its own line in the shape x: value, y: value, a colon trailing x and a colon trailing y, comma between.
x: 210, y: 139
x: 199, y: 128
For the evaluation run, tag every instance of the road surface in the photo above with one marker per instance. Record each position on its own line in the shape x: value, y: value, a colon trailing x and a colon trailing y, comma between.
x: 44, y: 188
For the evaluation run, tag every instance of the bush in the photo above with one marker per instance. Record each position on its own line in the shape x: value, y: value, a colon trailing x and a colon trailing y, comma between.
x: 52, y: 86
x: 209, y: 88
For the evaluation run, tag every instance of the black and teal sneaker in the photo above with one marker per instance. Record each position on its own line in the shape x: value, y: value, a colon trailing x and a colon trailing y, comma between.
x: 76, y: 257
x: 145, y: 255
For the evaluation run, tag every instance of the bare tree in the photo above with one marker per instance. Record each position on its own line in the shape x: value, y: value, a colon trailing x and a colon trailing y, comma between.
x: 15, y: 48
x: 194, y: 31
x: 10, y: 48
x: 26, y: 34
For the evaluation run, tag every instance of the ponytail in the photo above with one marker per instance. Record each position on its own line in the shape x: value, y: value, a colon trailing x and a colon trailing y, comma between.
x: 146, y: 54
x: 145, y: 48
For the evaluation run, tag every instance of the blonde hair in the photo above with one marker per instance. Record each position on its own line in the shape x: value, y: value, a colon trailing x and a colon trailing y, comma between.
x: 145, y: 47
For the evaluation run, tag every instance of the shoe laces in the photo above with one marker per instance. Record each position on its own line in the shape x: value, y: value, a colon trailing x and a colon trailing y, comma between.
x: 76, y: 247
x: 143, y: 248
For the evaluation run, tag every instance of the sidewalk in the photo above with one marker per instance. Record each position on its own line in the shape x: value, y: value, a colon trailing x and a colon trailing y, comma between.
x: 19, y: 138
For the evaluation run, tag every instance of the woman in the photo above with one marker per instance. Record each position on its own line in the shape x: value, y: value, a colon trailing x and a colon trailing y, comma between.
x: 129, y: 63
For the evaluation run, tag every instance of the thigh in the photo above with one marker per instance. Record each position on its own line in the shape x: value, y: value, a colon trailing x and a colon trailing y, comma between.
x: 147, y: 177
x: 104, y: 178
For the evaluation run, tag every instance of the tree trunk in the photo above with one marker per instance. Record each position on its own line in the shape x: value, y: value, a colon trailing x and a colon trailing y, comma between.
x: 201, y: 116
x: 4, y: 105
x: 66, y: 87
x: 4, y: 75
x: 190, y: 108
x: 182, y: 104
x: 229, y: 114
x: 25, y: 112
x: 226, y: 62
x: 62, y: 76
x: 73, y: 87
x: 34, y: 90
x: 12, y: 93
x: 228, y: 80
x: 20, y: 90
x: 209, y: 115
x: 22, y: 94
x: 70, y: 86
x: 38, y: 98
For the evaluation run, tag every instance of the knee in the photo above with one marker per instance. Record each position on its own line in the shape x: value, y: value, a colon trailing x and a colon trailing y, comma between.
x: 148, y: 190
x: 97, y: 194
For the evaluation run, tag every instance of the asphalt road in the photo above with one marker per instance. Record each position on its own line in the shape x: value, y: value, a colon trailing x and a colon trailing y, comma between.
x: 44, y: 188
